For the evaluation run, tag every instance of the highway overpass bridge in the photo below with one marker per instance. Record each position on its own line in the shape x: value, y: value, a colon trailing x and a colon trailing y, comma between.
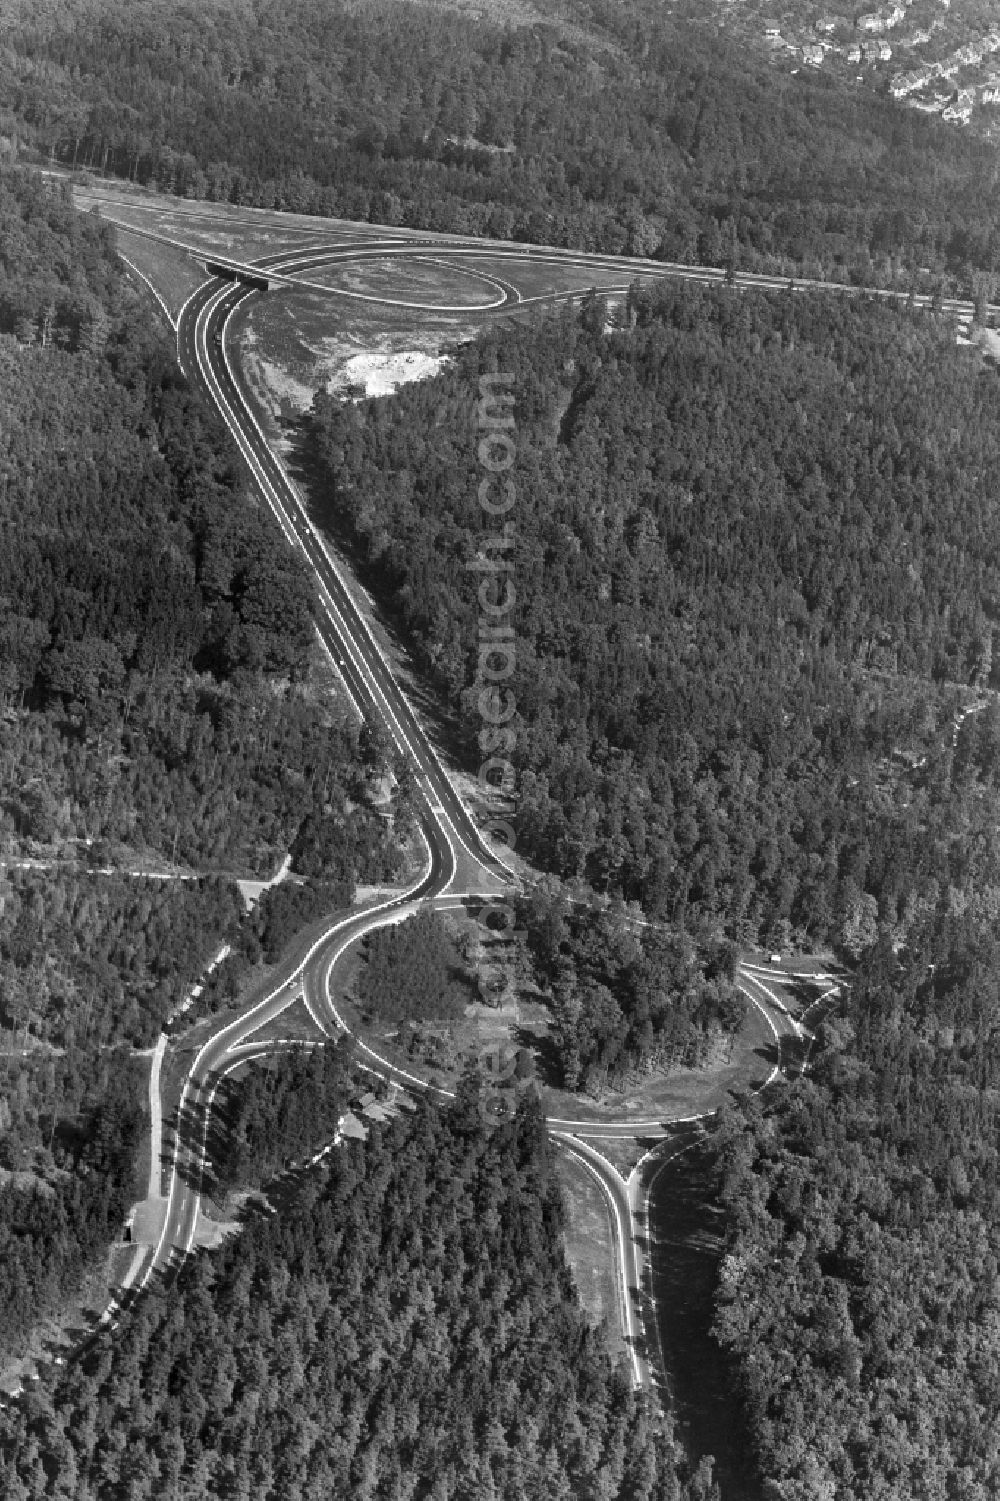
x: 249, y: 276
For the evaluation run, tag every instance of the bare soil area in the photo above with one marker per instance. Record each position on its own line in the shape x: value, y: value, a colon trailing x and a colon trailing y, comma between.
x: 292, y: 344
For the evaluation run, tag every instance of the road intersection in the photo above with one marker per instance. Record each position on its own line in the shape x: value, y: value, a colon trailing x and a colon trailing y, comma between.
x: 460, y: 862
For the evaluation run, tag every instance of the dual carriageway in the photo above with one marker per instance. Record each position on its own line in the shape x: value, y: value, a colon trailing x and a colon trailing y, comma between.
x: 461, y: 865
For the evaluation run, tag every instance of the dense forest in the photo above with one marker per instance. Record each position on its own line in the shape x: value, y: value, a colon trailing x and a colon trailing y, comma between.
x: 156, y: 633
x: 606, y: 126
x: 276, y: 1114
x: 87, y: 960
x: 57, y: 1218
x: 414, y: 972
x: 90, y: 968
x: 756, y: 568
x: 757, y: 573
x: 860, y: 1292
x: 625, y: 999
x: 158, y: 702
x: 407, y: 1327
x: 156, y: 637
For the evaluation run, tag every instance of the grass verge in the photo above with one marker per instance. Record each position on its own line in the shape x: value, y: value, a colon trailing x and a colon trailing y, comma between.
x: 590, y: 1247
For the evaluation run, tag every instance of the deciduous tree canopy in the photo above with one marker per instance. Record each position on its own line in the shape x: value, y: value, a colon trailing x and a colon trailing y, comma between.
x: 414, y: 972
x: 158, y: 696
x: 625, y: 130
x: 406, y: 1327
x: 860, y: 1293
x: 757, y: 574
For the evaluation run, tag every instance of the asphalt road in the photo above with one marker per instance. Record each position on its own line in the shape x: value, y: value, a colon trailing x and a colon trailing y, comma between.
x: 334, y: 245
x: 458, y: 858
x: 225, y: 1049
x: 628, y: 1256
x: 459, y: 861
x: 350, y: 642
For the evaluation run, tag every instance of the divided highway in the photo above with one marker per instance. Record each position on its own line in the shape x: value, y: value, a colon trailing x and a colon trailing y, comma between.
x: 225, y: 1050
x: 460, y: 862
x: 360, y: 661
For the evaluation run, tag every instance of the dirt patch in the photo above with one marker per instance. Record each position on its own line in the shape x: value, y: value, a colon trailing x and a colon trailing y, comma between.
x: 273, y: 384
x: 382, y: 374
x: 244, y: 233
x: 492, y: 1036
x: 294, y: 344
x: 988, y: 340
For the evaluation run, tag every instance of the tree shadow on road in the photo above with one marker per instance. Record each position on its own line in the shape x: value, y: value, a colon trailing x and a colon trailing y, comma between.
x: 686, y: 1241
x: 204, y: 1144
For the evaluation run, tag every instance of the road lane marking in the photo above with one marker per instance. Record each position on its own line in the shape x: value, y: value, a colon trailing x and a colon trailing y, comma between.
x: 365, y: 672
x: 581, y: 1153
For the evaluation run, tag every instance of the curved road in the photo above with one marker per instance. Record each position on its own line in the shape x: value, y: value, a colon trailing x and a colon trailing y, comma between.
x: 377, y: 241
x: 346, y: 635
x: 459, y: 861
